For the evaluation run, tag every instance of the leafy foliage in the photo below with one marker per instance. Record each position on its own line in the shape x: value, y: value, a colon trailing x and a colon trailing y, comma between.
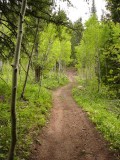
x: 114, y: 7
x: 76, y: 36
x: 111, y: 55
x: 98, y: 54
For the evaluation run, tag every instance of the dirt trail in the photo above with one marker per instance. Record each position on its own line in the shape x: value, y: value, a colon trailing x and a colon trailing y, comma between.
x: 69, y: 135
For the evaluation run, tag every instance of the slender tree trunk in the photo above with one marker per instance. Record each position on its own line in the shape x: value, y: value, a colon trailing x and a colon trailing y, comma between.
x: 99, y: 72
x: 60, y: 66
x: 28, y: 67
x: 14, y: 80
x: 1, y: 65
x: 37, y: 66
x: 106, y: 69
x: 37, y: 73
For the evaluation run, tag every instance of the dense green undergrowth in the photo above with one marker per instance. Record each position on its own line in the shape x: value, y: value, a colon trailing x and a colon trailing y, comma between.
x: 54, y: 80
x: 98, y: 107
x: 32, y: 113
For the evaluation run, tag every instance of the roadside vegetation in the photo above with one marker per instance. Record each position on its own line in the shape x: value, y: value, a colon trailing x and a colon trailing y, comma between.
x: 98, y: 65
x: 32, y: 111
x: 102, y: 110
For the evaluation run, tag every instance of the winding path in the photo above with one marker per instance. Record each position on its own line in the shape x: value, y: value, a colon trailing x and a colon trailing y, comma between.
x: 69, y: 135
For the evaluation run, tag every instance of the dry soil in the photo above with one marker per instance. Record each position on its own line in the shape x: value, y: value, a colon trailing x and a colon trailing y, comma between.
x: 69, y: 134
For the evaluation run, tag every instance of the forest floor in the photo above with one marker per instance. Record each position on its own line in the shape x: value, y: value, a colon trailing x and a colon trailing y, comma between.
x: 69, y: 134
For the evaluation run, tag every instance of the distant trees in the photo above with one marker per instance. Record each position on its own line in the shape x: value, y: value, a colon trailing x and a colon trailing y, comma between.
x: 114, y: 7
x: 93, y: 8
x: 62, y: 48
x: 76, y: 36
x: 111, y: 56
x: 88, y: 52
x: 98, y: 54
x: 42, y: 57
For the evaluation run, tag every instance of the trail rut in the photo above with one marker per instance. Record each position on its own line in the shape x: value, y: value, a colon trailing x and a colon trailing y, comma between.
x: 69, y: 134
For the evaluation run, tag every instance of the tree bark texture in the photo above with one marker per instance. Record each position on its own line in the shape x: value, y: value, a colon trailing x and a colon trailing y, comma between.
x: 37, y: 73
x: 37, y: 66
x: 14, y: 80
x: 99, y: 72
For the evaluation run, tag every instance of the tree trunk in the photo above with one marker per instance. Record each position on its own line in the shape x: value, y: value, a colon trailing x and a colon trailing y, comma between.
x: 14, y: 80
x: 28, y: 67
x: 106, y: 69
x: 60, y: 66
x: 99, y: 72
x: 37, y: 73
x: 1, y: 65
x: 37, y: 66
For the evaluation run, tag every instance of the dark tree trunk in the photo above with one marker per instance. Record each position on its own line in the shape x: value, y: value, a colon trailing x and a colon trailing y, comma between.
x: 37, y: 74
x: 37, y: 66
x: 1, y: 65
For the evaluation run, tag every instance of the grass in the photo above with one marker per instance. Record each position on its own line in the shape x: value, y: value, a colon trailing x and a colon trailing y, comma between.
x: 98, y: 107
x: 54, y: 80
x: 32, y: 113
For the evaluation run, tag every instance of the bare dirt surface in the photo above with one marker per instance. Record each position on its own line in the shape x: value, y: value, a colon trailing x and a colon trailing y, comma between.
x: 69, y: 134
